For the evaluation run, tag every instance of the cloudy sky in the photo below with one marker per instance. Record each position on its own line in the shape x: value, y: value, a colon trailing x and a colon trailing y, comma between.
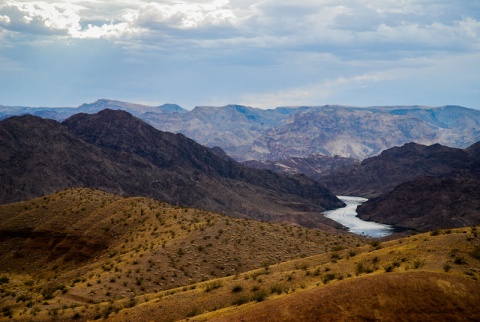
x: 262, y: 53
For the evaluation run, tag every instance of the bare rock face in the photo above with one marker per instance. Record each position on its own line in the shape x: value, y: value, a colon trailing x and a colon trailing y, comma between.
x: 247, y: 133
x: 117, y: 152
x: 364, y: 132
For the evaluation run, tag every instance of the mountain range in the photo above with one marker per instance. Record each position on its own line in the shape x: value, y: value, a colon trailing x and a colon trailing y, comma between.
x: 114, y: 151
x: 247, y: 133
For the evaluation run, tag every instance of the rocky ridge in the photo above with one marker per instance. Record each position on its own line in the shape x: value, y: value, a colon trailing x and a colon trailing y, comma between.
x: 117, y: 152
x: 248, y: 133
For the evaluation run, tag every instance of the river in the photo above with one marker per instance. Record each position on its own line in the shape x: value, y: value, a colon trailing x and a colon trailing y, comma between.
x: 347, y: 217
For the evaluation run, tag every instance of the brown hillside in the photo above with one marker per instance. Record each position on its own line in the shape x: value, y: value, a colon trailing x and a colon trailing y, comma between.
x: 143, y: 260
x: 97, y: 247
x: 412, y: 296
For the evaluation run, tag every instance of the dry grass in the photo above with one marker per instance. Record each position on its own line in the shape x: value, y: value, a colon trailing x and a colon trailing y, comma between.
x: 143, y: 260
x: 87, y: 253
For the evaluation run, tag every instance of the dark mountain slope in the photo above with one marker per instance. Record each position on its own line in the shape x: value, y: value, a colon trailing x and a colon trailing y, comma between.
x: 40, y: 156
x: 119, y: 131
x: 313, y: 166
x: 116, y: 152
x: 427, y: 203
x: 450, y: 199
x: 397, y: 165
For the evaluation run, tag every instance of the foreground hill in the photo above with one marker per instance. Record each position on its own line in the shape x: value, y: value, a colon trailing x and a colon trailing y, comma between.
x: 248, y: 133
x: 116, y: 152
x: 411, y: 296
x: 70, y: 253
x: 143, y: 260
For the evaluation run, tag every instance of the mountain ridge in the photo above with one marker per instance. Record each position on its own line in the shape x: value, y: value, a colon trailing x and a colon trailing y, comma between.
x: 249, y: 133
x: 117, y: 152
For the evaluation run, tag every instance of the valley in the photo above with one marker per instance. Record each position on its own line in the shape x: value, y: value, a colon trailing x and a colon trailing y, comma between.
x: 347, y: 216
x: 105, y: 217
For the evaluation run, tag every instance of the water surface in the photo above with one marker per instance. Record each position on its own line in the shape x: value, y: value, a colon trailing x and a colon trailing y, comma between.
x: 347, y: 217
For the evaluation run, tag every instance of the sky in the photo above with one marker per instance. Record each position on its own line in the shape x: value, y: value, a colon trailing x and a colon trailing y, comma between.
x: 263, y: 54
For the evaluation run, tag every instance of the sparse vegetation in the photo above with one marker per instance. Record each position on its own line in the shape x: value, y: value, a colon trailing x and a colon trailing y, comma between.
x: 182, y: 262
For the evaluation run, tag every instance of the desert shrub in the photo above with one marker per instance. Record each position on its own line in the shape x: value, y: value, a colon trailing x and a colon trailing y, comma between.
x: 4, y: 280
x: 389, y: 268
x: 360, y: 268
x: 435, y: 232
x: 213, y: 286
x: 460, y: 261
x: 259, y: 295
x: 277, y: 288
x: 475, y: 253
x: 237, y: 289
x: 130, y: 303
x: 335, y: 256
x: 328, y: 277
x: 7, y: 311
x: 241, y: 300
x: 417, y: 264
x: 447, y: 267
x: 194, y: 312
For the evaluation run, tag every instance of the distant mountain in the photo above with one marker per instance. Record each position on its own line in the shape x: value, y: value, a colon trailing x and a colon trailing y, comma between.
x: 62, y: 113
x: 233, y: 127
x: 248, y: 133
x: 117, y: 152
x: 365, y: 132
x: 313, y: 166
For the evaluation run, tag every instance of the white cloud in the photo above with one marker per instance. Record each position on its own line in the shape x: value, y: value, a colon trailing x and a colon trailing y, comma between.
x: 4, y: 20
x: 41, y: 17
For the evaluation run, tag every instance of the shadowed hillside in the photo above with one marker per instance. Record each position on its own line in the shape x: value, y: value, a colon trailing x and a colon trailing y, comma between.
x: 116, y: 152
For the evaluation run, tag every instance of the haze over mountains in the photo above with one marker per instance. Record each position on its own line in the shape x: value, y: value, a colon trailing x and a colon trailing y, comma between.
x: 247, y: 133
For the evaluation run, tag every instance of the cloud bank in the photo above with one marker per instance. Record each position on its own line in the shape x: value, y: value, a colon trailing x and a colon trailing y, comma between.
x: 264, y: 53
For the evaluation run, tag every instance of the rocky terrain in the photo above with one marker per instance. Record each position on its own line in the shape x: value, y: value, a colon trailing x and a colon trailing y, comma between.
x: 247, y: 133
x: 426, y: 204
x: 315, y: 166
x: 116, y: 152
x: 418, y: 188
x: 380, y: 174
